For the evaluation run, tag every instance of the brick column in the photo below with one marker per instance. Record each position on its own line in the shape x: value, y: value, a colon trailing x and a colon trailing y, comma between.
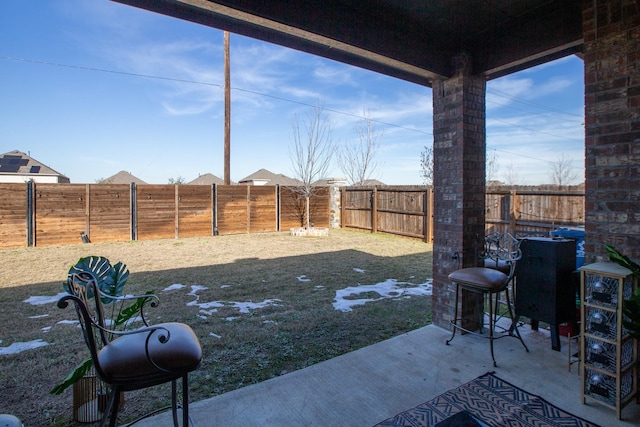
x: 335, y: 202
x: 459, y: 185
x: 612, y: 125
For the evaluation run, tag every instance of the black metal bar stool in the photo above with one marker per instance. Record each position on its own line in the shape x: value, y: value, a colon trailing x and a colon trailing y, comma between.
x: 498, y: 258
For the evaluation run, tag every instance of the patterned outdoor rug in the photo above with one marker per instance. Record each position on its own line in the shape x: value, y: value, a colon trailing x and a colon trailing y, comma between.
x: 490, y: 401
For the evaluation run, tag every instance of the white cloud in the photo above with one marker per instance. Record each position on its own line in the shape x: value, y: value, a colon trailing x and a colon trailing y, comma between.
x: 333, y: 74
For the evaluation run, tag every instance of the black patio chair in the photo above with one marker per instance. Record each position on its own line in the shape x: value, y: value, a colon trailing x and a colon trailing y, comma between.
x: 133, y: 359
x: 497, y: 259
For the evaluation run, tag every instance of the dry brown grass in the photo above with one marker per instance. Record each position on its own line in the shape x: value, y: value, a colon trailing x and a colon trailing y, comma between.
x: 303, y: 328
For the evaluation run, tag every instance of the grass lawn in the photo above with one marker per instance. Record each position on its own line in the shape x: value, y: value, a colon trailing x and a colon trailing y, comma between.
x: 262, y: 305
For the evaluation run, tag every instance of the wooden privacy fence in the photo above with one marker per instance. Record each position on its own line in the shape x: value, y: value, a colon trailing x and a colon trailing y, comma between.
x: 533, y: 212
x: 45, y: 214
x: 408, y: 210
x: 402, y: 210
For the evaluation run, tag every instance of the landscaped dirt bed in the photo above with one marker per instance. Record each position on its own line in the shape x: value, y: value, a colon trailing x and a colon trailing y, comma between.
x: 262, y: 305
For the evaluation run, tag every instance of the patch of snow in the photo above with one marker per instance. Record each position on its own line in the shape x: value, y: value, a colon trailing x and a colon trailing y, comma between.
x: 319, y: 287
x: 303, y: 278
x: 390, y: 288
x: 244, y: 307
x: 39, y: 316
x: 174, y: 287
x: 67, y: 322
x: 196, y: 288
x: 211, y: 334
x: 225, y: 286
x: 358, y: 270
x: 18, y: 347
x: 201, y: 305
x: 205, y: 305
x: 46, y: 329
x: 40, y: 300
x: 231, y: 318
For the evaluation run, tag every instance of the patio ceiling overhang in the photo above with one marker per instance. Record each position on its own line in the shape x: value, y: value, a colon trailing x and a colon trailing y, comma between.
x: 414, y: 40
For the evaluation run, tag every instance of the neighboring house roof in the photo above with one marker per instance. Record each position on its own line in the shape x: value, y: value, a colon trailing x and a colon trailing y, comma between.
x: 265, y: 177
x: 122, y: 177
x: 207, y: 179
x: 16, y: 166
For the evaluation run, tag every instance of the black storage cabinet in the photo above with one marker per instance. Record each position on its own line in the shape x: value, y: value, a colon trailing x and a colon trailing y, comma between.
x: 545, y: 286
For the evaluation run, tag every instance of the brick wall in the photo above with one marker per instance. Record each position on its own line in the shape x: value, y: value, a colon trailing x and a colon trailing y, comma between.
x: 459, y: 176
x: 612, y: 125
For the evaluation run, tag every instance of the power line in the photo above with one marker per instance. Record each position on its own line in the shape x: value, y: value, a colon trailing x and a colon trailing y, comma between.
x: 534, y: 158
x: 529, y: 103
x: 173, y: 79
x: 537, y: 130
x: 102, y: 70
x: 221, y: 86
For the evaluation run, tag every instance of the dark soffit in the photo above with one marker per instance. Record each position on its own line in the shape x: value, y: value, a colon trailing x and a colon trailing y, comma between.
x: 414, y: 40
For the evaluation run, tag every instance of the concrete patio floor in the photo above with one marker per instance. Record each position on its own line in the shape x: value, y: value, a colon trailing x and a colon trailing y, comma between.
x: 372, y: 384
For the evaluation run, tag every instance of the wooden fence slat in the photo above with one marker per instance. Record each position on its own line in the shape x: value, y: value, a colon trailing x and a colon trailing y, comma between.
x: 109, y: 210
x: 13, y: 214
x: 194, y: 213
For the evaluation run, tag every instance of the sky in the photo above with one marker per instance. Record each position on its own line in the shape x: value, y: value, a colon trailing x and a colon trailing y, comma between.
x: 91, y: 88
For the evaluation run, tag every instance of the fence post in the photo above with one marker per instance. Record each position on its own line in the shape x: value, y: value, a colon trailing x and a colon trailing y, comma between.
x: 87, y: 226
x: 278, y: 211
x: 214, y: 209
x: 343, y: 210
x: 30, y: 213
x: 374, y: 210
x: 133, y: 210
x: 513, y: 213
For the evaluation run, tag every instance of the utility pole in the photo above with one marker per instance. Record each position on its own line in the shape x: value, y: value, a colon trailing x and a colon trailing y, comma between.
x: 227, y: 112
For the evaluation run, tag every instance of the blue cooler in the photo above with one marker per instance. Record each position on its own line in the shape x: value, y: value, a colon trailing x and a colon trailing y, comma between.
x: 577, y: 234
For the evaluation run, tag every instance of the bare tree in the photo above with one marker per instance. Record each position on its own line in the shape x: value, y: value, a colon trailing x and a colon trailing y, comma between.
x: 312, y: 151
x: 357, y: 157
x: 426, y: 165
x: 562, y: 172
x: 511, y: 175
x: 177, y: 181
x: 492, y: 166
